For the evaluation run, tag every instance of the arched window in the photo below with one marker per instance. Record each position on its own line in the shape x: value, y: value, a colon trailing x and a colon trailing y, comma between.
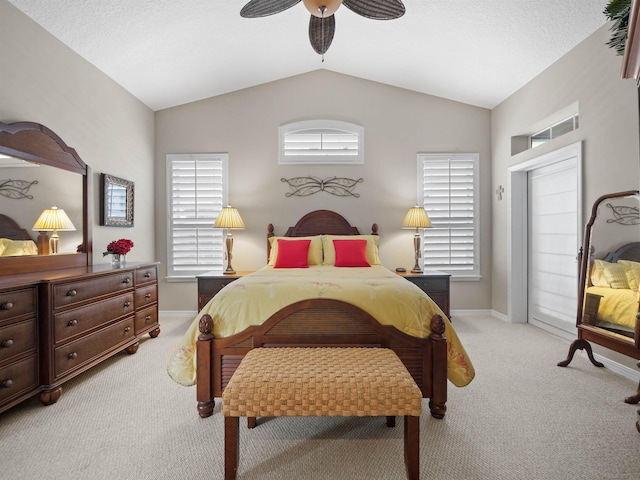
x: 320, y: 141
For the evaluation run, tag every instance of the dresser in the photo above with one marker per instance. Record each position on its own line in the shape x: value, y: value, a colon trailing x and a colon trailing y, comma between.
x: 18, y: 344
x: 57, y: 324
x: 211, y: 283
x: 435, y: 284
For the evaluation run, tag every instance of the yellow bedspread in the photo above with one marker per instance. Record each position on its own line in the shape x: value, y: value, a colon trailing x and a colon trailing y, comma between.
x: 386, y: 296
x: 618, y: 306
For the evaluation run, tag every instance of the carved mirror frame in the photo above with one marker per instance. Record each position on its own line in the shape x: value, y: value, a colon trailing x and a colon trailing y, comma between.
x: 36, y: 143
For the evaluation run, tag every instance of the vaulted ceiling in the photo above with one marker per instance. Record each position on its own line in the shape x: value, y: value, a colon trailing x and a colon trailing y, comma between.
x: 168, y: 52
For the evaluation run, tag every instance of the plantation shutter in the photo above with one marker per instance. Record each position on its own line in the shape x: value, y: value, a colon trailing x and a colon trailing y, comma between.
x: 449, y: 193
x: 197, y: 193
x: 320, y: 141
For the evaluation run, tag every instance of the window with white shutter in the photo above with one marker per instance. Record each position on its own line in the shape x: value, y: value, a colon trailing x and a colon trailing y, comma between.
x: 320, y: 141
x: 448, y: 190
x: 197, y: 191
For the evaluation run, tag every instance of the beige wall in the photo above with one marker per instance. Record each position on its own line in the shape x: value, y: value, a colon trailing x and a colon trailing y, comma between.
x: 43, y: 81
x: 608, y: 107
x: 397, y: 125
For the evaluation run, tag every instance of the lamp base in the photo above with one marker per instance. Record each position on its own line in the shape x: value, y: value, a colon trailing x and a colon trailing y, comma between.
x: 229, y: 241
x: 43, y: 243
x: 416, y: 246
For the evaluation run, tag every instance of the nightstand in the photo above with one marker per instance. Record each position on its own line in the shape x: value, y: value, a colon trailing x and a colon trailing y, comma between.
x: 211, y: 283
x: 435, y: 284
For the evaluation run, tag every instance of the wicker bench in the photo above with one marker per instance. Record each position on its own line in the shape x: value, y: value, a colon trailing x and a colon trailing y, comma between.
x: 319, y: 381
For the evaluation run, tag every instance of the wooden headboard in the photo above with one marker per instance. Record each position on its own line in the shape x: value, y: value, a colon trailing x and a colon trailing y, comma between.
x: 630, y: 251
x: 11, y: 230
x: 319, y: 222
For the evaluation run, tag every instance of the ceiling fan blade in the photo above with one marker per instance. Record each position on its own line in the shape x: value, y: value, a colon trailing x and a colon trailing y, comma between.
x: 263, y: 8
x: 321, y: 35
x: 376, y: 9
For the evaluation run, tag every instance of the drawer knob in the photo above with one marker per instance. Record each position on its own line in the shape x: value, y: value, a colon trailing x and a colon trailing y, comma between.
x: 147, y: 275
x: 6, y: 343
x: 147, y: 319
x: 6, y: 306
x: 6, y: 383
x: 147, y: 296
x: 127, y: 329
x: 72, y: 323
x: 126, y: 280
x: 72, y: 356
x: 127, y: 304
x: 72, y: 293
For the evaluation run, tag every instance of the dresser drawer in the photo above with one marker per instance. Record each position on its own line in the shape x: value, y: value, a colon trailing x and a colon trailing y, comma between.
x: 146, y: 295
x: 74, y: 354
x: 17, y: 302
x: 77, y: 321
x: 146, y: 275
x: 17, y: 338
x: 75, y: 292
x: 18, y: 377
x: 146, y: 318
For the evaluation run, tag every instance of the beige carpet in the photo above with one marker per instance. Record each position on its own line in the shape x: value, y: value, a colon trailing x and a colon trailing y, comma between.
x: 521, y: 418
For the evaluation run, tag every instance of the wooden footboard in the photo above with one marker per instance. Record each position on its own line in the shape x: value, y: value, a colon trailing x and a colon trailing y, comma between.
x: 322, y: 322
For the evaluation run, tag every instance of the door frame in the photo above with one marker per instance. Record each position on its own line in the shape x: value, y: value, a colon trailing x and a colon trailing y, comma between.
x: 517, y: 231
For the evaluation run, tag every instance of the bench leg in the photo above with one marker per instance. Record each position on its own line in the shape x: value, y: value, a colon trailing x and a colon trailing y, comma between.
x: 251, y: 422
x: 391, y: 421
x: 231, y: 447
x: 412, y: 446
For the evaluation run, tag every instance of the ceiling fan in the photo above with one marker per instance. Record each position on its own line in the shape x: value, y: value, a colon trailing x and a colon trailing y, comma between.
x: 322, y: 24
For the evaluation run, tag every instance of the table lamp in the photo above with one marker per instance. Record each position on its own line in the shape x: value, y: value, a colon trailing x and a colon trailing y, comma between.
x: 416, y: 218
x: 51, y: 220
x: 229, y: 218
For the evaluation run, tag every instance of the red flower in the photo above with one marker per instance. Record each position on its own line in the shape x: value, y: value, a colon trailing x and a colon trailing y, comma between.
x: 119, y: 247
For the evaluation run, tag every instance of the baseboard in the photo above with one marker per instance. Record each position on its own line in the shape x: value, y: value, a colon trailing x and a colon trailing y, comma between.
x: 623, y: 370
x: 177, y: 314
x: 471, y: 313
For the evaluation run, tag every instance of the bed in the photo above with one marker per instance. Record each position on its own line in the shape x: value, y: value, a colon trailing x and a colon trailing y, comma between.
x: 612, y: 292
x: 14, y: 240
x: 321, y: 304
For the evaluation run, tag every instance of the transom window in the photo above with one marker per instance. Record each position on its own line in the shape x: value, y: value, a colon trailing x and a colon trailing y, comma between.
x: 320, y: 141
x: 554, y: 131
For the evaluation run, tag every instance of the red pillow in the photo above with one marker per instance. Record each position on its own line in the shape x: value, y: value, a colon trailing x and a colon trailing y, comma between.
x: 293, y: 254
x: 351, y: 253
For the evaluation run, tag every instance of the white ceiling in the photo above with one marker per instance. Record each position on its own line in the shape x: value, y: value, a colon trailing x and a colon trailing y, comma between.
x: 168, y: 52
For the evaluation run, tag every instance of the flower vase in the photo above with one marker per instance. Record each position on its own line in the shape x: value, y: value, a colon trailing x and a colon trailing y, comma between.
x: 118, y: 260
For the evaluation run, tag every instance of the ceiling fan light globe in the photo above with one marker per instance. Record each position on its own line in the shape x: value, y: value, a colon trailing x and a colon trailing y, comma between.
x: 315, y: 7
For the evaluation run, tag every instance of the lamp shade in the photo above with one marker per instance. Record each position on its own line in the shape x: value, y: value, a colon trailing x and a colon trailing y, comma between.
x: 53, y: 219
x: 229, y: 218
x: 416, y: 217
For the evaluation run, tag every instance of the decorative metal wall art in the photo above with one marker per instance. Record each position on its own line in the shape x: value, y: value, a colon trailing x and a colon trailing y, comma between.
x: 338, y: 186
x: 624, y: 215
x: 16, y: 188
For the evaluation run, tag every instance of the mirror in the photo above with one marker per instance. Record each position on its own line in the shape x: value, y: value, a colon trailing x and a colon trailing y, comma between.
x: 610, y: 270
x: 28, y: 188
x: 50, y: 174
x: 117, y: 202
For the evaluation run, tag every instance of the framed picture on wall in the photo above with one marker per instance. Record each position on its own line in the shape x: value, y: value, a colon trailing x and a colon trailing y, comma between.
x: 116, y: 198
